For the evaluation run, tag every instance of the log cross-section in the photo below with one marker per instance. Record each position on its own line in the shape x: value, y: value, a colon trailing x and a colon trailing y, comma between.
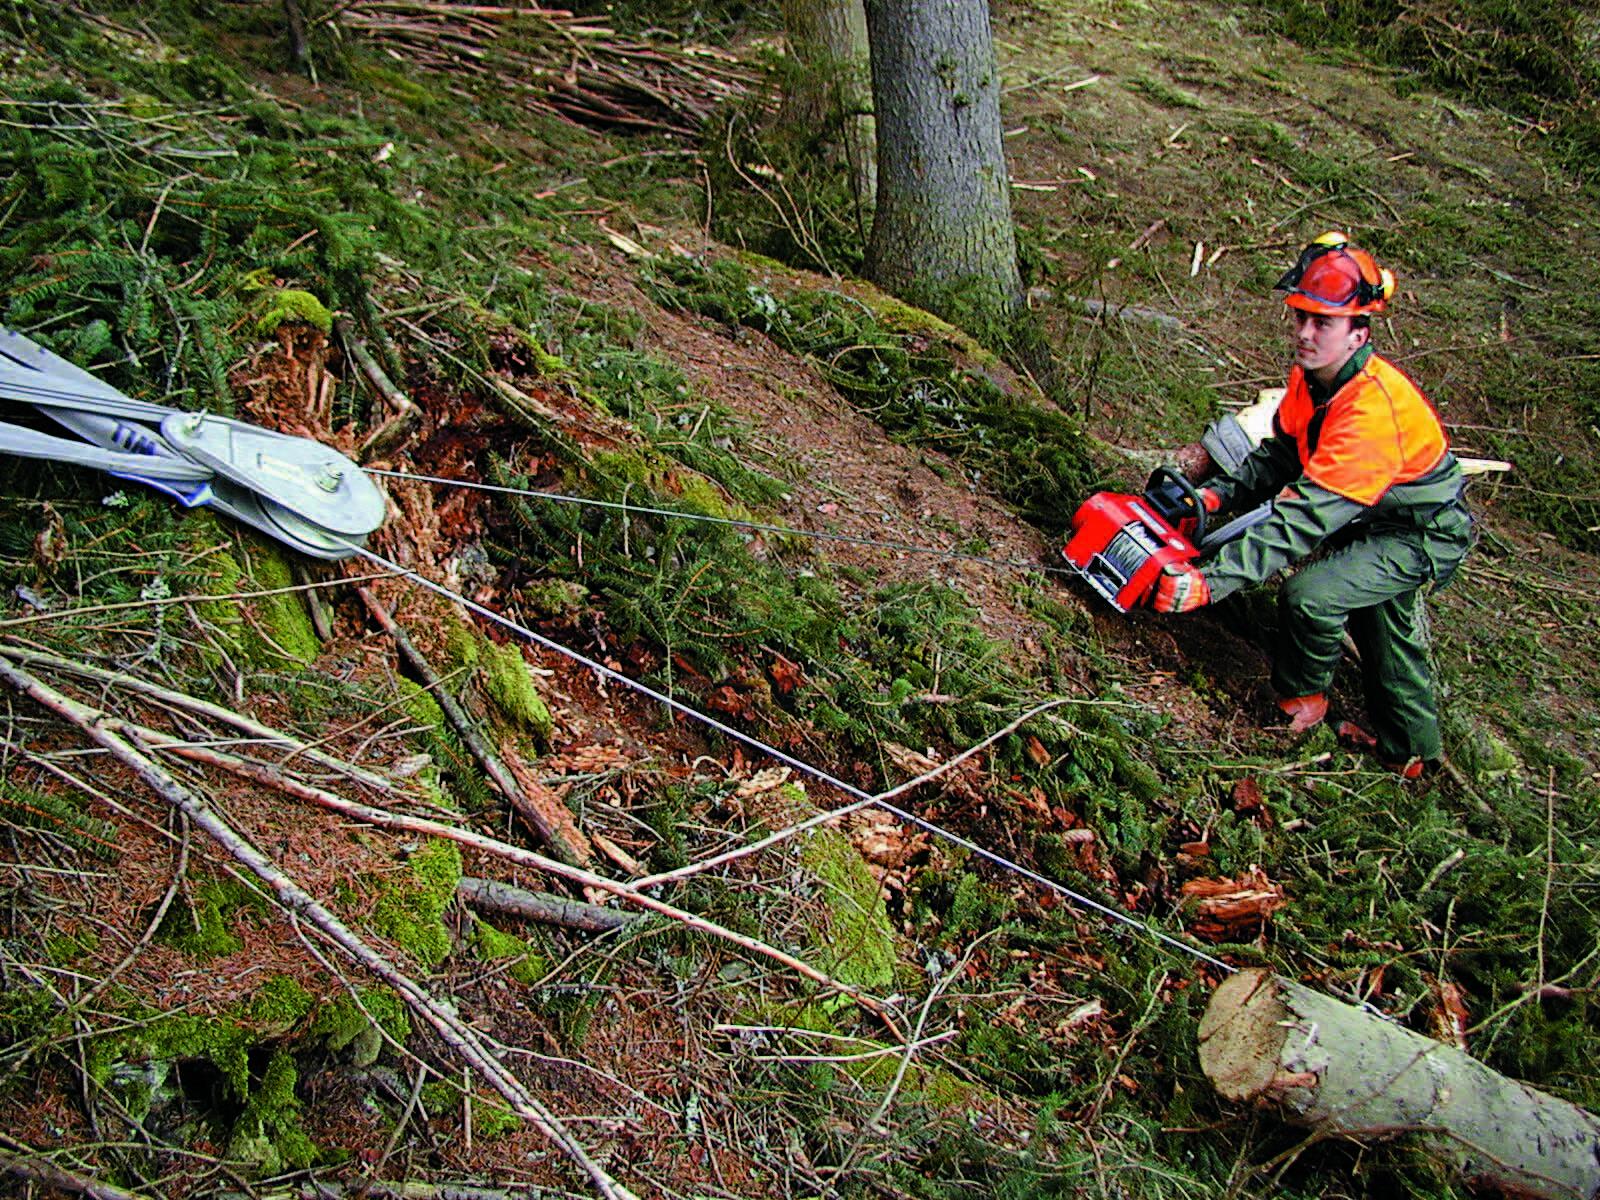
x: 1349, y: 1072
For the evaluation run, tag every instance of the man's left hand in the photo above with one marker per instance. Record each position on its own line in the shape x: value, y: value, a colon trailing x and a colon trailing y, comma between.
x: 1179, y: 588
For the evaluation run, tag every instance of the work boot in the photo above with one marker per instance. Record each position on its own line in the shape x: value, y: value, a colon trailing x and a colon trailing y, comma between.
x: 1304, y: 711
x: 1356, y: 738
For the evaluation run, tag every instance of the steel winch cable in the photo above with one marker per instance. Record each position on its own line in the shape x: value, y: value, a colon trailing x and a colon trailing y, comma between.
x: 735, y: 522
x: 879, y: 800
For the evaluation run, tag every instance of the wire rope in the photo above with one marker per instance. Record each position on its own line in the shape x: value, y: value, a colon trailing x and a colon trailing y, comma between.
x: 759, y: 526
x: 798, y: 764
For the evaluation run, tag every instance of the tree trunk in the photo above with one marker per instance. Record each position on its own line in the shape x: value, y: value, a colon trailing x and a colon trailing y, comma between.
x: 942, y: 236
x: 1340, y: 1071
x: 833, y: 86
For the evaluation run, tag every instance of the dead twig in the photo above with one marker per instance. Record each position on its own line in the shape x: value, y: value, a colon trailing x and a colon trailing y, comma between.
x: 490, y: 895
x: 263, y: 774
x: 203, y: 708
x: 835, y: 814
x: 459, y: 1036
x: 18, y: 1159
x: 64, y: 614
x: 407, y: 416
x: 546, y: 814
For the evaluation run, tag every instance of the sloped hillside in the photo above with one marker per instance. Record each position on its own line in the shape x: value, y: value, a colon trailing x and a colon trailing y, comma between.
x: 382, y: 877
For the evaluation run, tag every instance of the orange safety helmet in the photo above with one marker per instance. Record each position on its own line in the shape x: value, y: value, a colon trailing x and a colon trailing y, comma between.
x: 1336, y: 279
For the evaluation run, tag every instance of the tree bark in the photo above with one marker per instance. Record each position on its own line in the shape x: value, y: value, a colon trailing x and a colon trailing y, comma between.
x: 490, y: 895
x: 943, y: 229
x: 828, y: 41
x: 1343, y: 1072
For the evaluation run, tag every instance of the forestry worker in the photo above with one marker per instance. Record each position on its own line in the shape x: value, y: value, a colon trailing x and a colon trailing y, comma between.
x: 1358, y: 468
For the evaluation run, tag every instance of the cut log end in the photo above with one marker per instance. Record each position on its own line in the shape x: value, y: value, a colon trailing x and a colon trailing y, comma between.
x: 1241, y: 1036
x: 1345, y: 1071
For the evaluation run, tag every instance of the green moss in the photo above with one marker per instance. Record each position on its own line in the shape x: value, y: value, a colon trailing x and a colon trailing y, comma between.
x: 278, y: 626
x: 64, y: 949
x: 495, y: 945
x: 490, y: 1116
x: 293, y: 304
x: 200, y: 920
x: 461, y: 645
x: 397, y: 84
x: 343, y: 1023
x: 853, y: 925
x: 922, y: 1082
x: 226, y: 1039
x: 27, y: 1014
x: 1488, y: 758
x: 284, y: 624
x: 278, y: 1005
x: 626, y: 466
x: 509, y: 684
x: 452, y: 760
x: 698, y: 494
x: 223, y: 1042
x: 410, y: 908
x: 974, y: 907
x: 554, y: 597
x: 268, y: 1133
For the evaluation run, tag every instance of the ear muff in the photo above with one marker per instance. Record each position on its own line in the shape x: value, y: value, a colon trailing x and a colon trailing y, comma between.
x: 1369, y: 291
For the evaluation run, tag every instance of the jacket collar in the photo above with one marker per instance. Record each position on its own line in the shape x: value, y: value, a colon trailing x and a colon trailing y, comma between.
x: 1320, y: 394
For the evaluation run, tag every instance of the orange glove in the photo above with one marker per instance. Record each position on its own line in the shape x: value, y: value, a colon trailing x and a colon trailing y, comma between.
x: 1179, y: 588
x: 1211, y: 498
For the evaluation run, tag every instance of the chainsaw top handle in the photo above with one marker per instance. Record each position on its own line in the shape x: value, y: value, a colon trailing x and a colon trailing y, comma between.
x: 1156, y: 492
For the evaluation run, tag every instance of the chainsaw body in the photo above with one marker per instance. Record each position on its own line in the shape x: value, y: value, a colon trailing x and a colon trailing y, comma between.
x: 1121, y: 543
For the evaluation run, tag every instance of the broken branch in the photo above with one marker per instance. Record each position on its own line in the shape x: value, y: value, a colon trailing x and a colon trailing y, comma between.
x: 461, y: 1038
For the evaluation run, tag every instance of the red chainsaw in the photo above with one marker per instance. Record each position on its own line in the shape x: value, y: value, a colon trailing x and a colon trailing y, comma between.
x: 1120, y: 543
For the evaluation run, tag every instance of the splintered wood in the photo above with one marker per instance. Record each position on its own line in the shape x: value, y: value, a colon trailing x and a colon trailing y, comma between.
x: 1231, y: 910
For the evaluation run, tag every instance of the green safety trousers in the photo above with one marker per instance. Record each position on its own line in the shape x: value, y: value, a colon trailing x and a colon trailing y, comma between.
x: 1372, y: 588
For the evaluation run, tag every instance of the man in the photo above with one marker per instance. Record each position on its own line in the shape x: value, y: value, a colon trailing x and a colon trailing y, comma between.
x: 1360, y: 467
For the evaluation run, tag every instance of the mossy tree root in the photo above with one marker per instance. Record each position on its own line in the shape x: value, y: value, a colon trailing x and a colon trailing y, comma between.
x: 1343, y: 1072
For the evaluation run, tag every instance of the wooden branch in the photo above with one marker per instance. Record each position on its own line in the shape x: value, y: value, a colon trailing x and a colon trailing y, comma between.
x: 488, y: 895
x: 1350, y: 1073
x: 459, y: 1036
x: 203, y: 708
x: 382, y: 1189
x: 547, y: 813
x: 407, y: 416
x: 25, y: 1163
x: 835, y: 814
x: 528, y: 858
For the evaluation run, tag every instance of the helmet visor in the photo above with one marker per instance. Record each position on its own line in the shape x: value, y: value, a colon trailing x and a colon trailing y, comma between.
x: 1331, y: 277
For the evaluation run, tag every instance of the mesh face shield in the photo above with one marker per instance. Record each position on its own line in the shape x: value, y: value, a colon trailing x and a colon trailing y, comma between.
x: 1336, y: 280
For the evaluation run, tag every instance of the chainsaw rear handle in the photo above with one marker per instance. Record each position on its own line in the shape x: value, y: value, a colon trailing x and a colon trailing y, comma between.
x: 1165, y: 473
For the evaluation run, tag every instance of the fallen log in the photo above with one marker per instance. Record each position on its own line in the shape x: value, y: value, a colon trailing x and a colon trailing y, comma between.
x: 1344, y: 1072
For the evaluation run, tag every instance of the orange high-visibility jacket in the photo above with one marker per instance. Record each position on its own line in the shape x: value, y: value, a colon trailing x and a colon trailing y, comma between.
x: 1376, y: 431
x: 1374, y: 452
